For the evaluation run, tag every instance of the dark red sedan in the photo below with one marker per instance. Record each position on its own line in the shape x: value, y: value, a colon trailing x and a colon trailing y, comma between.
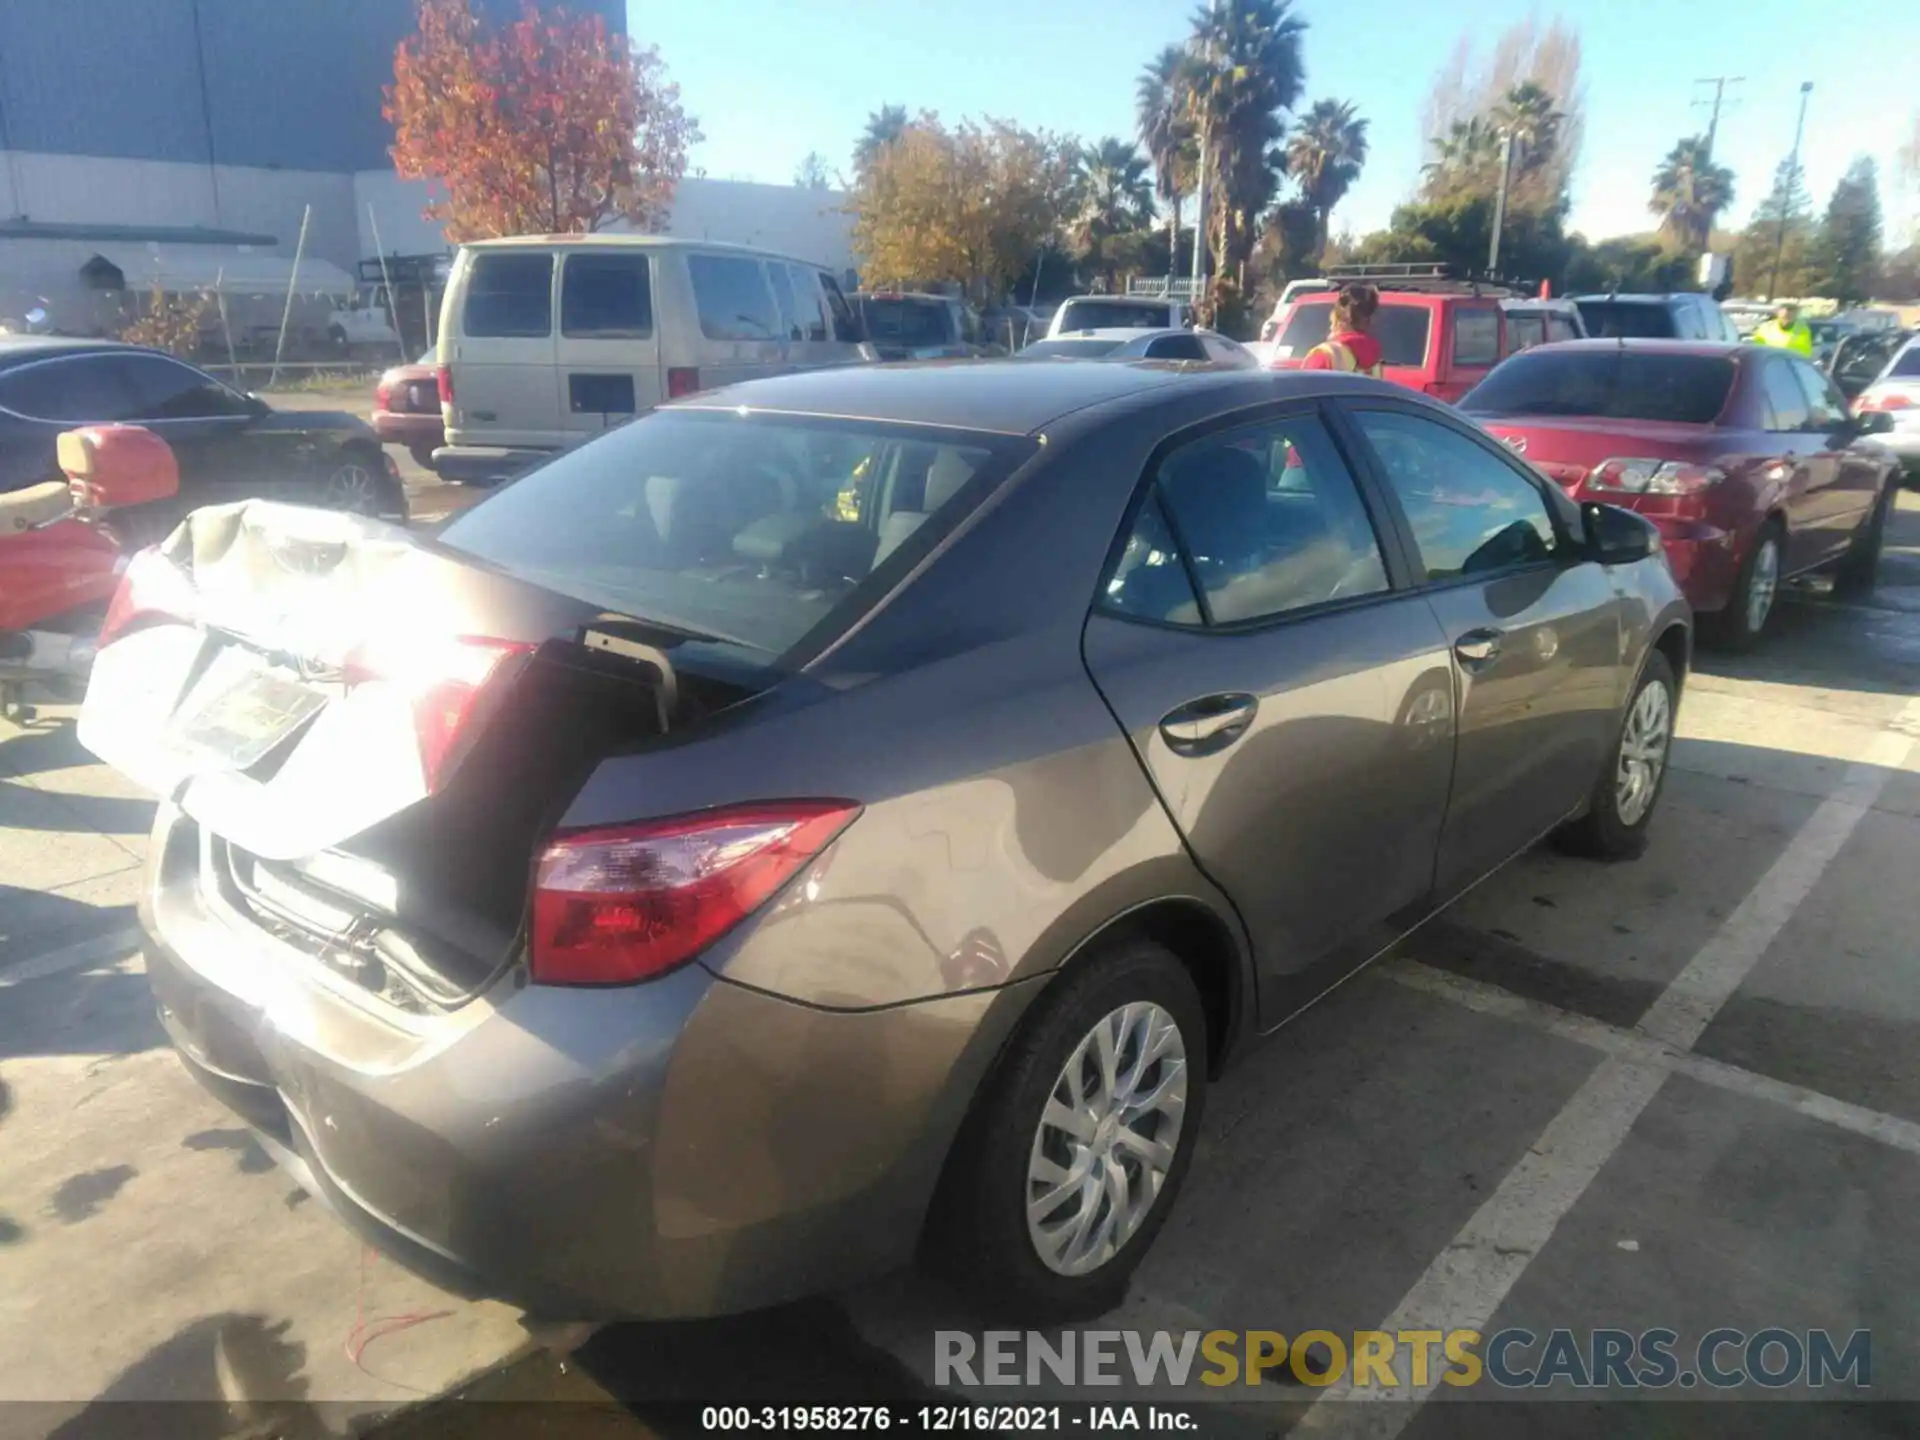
x: 406, y: 409
x: 1746, y: 459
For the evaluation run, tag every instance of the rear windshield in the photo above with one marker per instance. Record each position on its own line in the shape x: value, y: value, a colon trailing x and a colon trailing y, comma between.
x: 1616, y: 384
x: 1627, y: 319
x: 1906, y: 364
x: 509, y: 296
x: 1115, y: 315
x: 899, y: 321
x: 1070, y: 349
x: 747, y: 530
x: 1400, y: 329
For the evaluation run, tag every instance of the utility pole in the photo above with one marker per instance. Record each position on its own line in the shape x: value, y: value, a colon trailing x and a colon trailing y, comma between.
x: 1719, y: 83
x: 1500, y: 201
x: 1793, y: 177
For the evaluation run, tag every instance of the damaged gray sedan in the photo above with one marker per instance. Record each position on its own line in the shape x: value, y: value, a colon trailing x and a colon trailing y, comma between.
x: 853, y: 816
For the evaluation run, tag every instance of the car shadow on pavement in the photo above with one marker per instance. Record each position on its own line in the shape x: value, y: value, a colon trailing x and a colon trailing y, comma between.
x: 43, y: 745
x: 104, y: 1013
x: 71, y: 811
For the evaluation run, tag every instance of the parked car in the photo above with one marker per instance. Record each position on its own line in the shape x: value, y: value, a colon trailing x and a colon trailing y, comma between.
x: 362, y: 324
x: 545, y: 342
x: 1118, y: 312
x: 406, y: 409
x: 1202, y: 346
x: 1895, y: 395
x: 1744, y: 457
x: 921, y: 327
x: 1681, y: 315
x: 229, y: 445
x: 1538, y: 320
x: 1746, y: 316
x: 765, y: 839
x: 1270, y: 327
x: 1440, y: 339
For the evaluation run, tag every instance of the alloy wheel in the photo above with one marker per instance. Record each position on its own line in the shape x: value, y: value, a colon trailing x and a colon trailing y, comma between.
x: 1763, y: 584
x: 1643, y: 752
x: 1107, y: 1138
x: 352, y: 486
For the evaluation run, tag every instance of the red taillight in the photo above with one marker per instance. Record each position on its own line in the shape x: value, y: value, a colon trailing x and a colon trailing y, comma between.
x: 382, y: 395
x: 682, y: 380
x: 443, y: 378
x: 1653, y: 477
x: 612, y: 906
x: 1887, y: 400
x: 151, y: 587
x: 444, y: 680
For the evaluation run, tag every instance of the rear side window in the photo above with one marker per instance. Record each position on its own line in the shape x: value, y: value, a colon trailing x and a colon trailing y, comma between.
x: 1114, y: 315
x: 1476, y: 337
x: 730, y: 292
x: 846, y: 325
x: 509, y: 296
x: 793, y: 325
x: 1400, y: 329
x: 1176, y: 347
x: 1523, y: 332
x: 1906, y: 364
x: 1612, y: 383
x: 809, y: 312
x: 1268, y: 520
x: 907, y: 320
x: 606, y: 297
x: 164, y: 389
x: 81, y: 389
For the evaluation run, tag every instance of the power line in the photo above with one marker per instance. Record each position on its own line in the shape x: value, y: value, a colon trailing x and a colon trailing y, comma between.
x: 1719, y: 84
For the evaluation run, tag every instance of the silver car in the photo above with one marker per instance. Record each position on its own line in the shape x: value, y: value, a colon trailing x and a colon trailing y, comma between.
x: 853, y: 815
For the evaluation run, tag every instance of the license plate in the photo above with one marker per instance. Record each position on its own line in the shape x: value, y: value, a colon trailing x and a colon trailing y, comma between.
x: 240, y: 710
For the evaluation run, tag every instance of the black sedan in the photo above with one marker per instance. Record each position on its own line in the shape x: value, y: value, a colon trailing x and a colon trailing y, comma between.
x: 231, y: 446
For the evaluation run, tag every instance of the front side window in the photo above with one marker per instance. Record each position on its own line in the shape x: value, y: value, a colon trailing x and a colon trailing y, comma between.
x: 606, y: 297
x: 846, y: 325
x: 793, y: 325
x: 1785, y: 399
x: 1476, y: 337
x: 730, y: 292
x: 1471, y: 513
x: 809, y: 313
x: 1268, y: 520
x: 165, y: 389
x: 509, y: 296
x: 1826, y: 410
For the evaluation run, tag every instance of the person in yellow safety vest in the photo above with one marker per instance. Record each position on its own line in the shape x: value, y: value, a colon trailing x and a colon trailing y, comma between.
x: 1786, y: 331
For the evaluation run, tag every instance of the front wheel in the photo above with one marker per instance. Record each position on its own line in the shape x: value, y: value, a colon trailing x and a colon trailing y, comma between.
x: 359, y: 483
x: 1860, y: 566
x: 1623, y: 799
x: 1074, y: 1150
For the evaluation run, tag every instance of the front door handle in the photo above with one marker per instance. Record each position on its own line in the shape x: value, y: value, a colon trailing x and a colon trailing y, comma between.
x: 1478, y: 647
x: 1210, y: 719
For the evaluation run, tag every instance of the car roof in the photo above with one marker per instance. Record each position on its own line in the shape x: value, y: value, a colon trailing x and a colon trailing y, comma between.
x: 1122, y: 333
x: 903, y: 295
x: 1637, y: 297
x: 17, y: 349
x: 1006, y: 396
x: 1724, y: 349
x: 602, y: 240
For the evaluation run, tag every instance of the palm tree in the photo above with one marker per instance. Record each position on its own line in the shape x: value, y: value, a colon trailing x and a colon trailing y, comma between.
x: 1689, y: 192
x: 1160, y: 107
x: 884, y: 126
x: 1116, y: 199
x: 1246, y: 68
x: 1527, y: 112
x: 1462, y: 157
x: 1324, y: 156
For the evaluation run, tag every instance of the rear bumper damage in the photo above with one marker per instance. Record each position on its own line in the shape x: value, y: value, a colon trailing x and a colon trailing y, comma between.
x: 683, y: 1148
x: 1705, y: 560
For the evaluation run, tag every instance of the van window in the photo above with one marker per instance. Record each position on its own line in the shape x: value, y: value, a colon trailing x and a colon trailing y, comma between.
x: 509, y: 296
x: 1523, y: 332
x: 846, y: 326
x: 1400, y: 329
x: 731, y: 294
x: 1476, y: 337
x: 792, y: 325
x: 806, y: 291
x: 606, y: 297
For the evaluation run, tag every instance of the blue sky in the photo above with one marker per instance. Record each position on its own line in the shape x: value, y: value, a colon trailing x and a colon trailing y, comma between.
x: 772, y: 79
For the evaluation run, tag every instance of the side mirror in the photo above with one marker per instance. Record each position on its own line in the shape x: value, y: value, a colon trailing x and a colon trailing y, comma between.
x: 257, y: 407
x: 1872, y: 422
x: 1618, y: 537
x: 112, y: 466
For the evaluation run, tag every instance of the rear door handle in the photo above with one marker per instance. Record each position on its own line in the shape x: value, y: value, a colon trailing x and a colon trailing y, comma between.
x: 1210, y: 718
x: 1478, y: 647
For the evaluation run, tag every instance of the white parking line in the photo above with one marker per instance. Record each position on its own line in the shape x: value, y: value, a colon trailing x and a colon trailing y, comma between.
x: 1467, y: 1281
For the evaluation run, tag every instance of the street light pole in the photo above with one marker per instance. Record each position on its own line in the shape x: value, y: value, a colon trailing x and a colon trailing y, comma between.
x: 1500, y: 201
x: 1793, y: 176
x: 1200, y: 212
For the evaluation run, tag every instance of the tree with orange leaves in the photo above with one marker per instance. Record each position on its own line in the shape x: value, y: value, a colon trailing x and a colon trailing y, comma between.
x: 547, y: 126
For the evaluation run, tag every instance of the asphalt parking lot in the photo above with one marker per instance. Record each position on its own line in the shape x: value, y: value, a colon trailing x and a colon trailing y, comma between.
x: 1682, y: 1093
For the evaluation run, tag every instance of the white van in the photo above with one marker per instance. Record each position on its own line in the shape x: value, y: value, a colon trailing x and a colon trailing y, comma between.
x: 547, y: 340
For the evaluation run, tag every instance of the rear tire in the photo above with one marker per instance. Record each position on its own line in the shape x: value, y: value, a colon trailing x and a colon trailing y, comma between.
x: 1756, y: 590
x: 1859, y: 567
x: 1628, y: 789
x: 422, y: 456
x: 1016, y: 1181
